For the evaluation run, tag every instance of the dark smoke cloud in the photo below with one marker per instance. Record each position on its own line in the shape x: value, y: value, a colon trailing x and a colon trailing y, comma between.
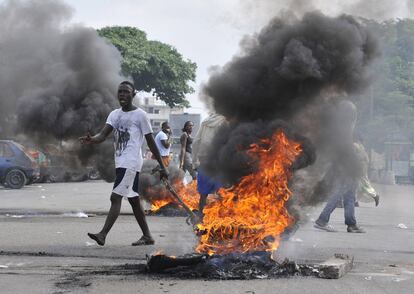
x: 58, y: 81
x: 297, y: 71
x: 150, y: 186
x: 230, y: 162
x: 288, y: 65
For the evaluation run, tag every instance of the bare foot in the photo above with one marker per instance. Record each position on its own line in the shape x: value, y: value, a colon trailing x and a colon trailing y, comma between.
x: 98, y: 238
x: 144, y: 240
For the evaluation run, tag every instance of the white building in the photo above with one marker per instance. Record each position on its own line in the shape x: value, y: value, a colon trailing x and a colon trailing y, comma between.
x: 158, y: 111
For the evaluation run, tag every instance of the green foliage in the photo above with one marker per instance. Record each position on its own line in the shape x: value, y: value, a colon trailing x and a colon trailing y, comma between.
x: 391, y: 111
x: 154, y: 66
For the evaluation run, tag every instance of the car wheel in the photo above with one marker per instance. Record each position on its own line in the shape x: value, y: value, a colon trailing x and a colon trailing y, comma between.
x: 15, y: 179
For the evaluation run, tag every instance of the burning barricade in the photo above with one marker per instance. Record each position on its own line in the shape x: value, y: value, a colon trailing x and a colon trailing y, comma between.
x: 272, y: 94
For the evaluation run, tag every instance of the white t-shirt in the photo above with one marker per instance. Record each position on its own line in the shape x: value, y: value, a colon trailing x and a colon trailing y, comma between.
x: 129, y: 130
x: 158, y: 138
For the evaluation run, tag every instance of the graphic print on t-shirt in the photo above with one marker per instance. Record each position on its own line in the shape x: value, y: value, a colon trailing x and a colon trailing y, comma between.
x: 121, y: 140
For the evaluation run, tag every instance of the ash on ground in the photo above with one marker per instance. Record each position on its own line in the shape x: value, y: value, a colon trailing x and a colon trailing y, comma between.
x: 236, y: 266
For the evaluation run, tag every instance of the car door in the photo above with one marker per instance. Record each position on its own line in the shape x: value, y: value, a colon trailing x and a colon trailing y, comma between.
x: 6, y: 158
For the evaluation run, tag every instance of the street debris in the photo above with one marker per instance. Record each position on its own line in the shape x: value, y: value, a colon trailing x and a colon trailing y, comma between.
x: 244, y: 266
x: 75, y: 214
x: 336, y: 267
x: 298, y: 240
x: 402, y: 226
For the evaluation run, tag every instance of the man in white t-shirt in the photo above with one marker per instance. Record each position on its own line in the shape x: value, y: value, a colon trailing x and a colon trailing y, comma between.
x: 163, y: 141
x: 130, y: 125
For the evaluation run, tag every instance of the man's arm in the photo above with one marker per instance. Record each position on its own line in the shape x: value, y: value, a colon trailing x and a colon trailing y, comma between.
x: 166, y: 142
x: 196, y: 146
x: 153, y: 147
x: 98, y: 138
x: 183, y: 141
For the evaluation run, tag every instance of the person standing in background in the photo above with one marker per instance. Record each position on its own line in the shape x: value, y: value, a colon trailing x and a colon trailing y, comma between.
x: 202, y: 142
x: 163, y: 141
x: 186, y: 162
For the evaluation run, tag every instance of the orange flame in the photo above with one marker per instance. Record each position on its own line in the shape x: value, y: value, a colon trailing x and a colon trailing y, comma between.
x: 251, y: 215
x: 188, y: 193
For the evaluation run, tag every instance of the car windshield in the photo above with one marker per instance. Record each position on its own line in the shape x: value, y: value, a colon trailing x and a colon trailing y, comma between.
x: 21, y: 147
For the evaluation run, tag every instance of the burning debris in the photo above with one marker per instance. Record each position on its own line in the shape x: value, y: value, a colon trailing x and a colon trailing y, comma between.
x: 157, y: 194
x: 256, y: 265
x: 292, y: 70
x: 252, y: 214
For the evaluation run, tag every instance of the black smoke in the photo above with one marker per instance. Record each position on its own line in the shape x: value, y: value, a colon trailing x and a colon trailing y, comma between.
x: 230, y: 162
x: 296, y: 71
x: 150, y: 187
x: 290, y: 63
x: 58, y: 81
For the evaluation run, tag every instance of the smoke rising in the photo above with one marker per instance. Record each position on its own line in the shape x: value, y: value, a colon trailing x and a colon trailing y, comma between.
x: 150, y: 186
x: 298, y: 71
x: 230, y: 162
x: 256, y: 13
x: 289, y: 63
x: 58, y: 80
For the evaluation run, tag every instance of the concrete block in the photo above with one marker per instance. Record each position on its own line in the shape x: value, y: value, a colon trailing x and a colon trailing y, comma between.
x: 336, y: 267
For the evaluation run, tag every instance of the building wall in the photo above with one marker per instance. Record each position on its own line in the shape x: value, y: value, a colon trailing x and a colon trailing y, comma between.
x: 177, y: 122
x: 158, y: 112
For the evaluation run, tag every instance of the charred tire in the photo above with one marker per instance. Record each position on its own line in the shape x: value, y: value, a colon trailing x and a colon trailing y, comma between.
x: 15, y: 179
x: 94, y: 175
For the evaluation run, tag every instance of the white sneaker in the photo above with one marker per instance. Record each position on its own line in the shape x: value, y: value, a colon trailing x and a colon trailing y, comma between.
x: 326, y: 227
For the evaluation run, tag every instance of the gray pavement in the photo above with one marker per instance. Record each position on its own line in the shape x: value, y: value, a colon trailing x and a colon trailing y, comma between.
x: 44, y: 247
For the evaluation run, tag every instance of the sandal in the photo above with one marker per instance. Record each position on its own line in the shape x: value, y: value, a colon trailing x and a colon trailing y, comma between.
x: 144, y: 240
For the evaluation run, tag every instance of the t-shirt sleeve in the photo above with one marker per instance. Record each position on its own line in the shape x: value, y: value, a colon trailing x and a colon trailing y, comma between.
x: 145, y: 124
x: 163, y: 136
x: 111, y: 119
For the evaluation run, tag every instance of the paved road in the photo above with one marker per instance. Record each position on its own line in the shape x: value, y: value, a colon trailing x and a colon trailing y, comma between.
x: 44, y: 247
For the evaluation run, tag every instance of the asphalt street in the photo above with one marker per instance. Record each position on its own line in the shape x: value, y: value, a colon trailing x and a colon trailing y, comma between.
x: 44, y: 247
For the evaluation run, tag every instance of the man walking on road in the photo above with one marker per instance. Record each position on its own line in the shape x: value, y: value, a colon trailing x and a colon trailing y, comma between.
x: 345, y: 172
x: 130, y: 125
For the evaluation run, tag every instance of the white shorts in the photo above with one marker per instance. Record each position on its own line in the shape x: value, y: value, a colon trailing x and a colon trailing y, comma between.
x: 126, y: 182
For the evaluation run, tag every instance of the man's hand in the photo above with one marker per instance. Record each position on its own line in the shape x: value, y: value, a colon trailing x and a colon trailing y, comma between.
x: 86, y: 140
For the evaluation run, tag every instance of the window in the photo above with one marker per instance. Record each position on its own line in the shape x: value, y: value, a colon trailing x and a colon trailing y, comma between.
x: 150, y: 109
x: 156, y: 111
x: 5, y: 150
x: 146, y: 101
x: 156, y: 123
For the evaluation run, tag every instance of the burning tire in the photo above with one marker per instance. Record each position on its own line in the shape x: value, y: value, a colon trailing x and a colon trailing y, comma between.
x: 94, y: 175
x: 15, y: 179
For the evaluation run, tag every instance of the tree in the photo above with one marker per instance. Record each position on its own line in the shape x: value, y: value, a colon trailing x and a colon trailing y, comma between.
x: 154, y: 66
x: 392, y: 109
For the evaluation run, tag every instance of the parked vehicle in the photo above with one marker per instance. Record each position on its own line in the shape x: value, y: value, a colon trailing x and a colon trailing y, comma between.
x: 59, y: 164
x: 17, y: 167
